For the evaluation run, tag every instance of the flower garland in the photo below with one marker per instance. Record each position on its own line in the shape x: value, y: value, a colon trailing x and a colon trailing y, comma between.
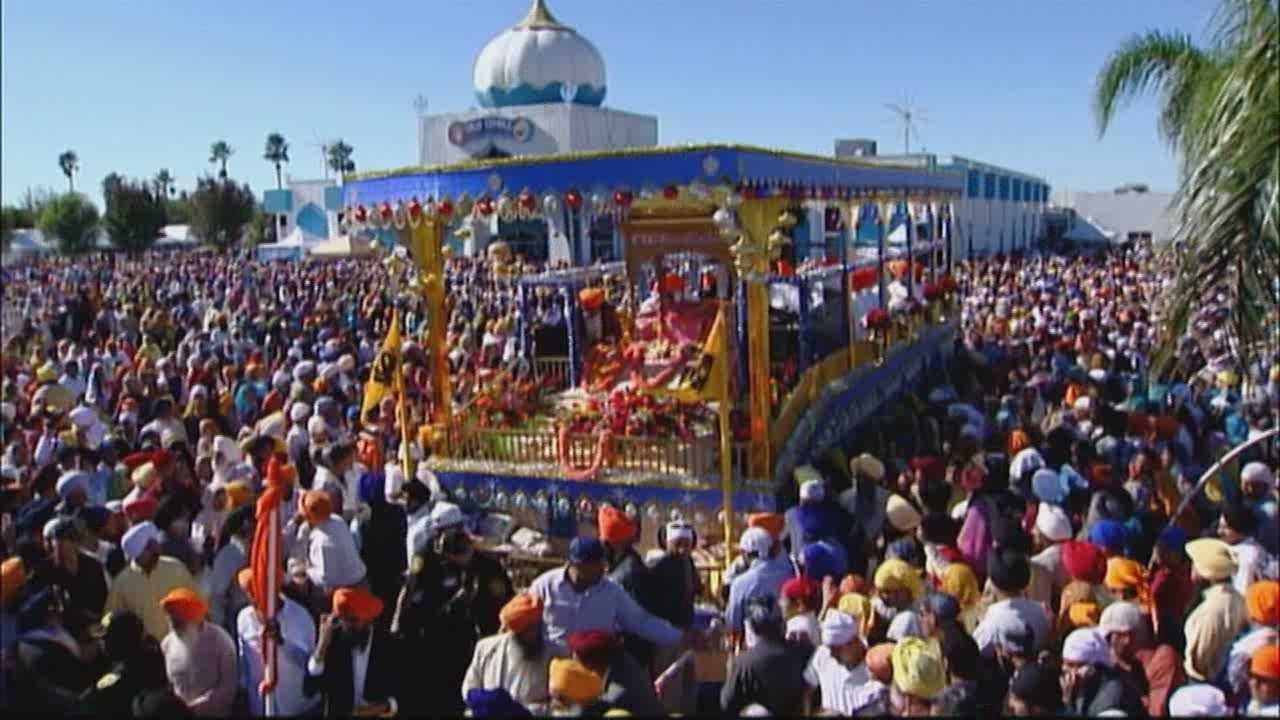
x: 604, y: 455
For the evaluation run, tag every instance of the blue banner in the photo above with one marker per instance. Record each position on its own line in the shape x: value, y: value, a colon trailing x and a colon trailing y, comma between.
x: 277, y: 202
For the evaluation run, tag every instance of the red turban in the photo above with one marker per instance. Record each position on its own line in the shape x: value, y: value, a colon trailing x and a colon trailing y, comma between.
x: 591, y: 645
x: 521, y: 612
x: 141, y: 508
x: 672, y: 283
x: 932, y: 468
x: 1084, y: 561
x: 772, y: 522
x: 185, y: 605
x: 614, y: 525
x: 358, y: 604
x: 317, y: 506
x: 801, y: 589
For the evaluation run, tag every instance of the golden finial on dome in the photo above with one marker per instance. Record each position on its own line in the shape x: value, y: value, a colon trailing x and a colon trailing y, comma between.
x: 539, y: 18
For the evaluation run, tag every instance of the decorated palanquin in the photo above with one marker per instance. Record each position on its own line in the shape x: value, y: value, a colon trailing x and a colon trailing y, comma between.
x: 748, y: 324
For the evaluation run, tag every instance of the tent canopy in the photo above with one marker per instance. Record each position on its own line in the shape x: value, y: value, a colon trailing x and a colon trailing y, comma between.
x: 342, y: 246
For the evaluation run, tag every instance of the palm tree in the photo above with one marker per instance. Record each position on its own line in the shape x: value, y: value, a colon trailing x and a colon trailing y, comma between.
x: 276, y: 153
x: 339, y: 158
x: 164, y: 183
x: 1218, y: 112
x: 69, y: 162
x: 219, y: 153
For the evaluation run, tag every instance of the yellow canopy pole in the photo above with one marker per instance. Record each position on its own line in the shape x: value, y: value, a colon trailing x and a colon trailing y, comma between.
x: 758, y: 217
x: 726, y: 439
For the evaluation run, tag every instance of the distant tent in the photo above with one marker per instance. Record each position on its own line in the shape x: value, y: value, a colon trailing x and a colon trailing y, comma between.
x: 293, y: 247
x: 1084, y: 231
x: 343, y: 246
x: 27, y: 242
x: 176, y: 236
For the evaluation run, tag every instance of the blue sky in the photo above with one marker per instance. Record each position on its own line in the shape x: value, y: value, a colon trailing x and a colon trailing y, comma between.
x: 139, y: 85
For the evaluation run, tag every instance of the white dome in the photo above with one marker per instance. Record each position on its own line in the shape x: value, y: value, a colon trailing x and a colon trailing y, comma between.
x: 538, y: 61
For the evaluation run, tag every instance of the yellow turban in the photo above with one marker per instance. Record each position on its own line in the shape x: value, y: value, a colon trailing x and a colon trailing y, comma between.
x: 1084, y: 614
x: 1211, y: 559
x: 858, y: 607
x: 574, y: 682
x: 894, y: 574
x: 238, y: 493
x: 917, y: 668
x: 144, y: 475
x: 959, y: 582
x: 1126, y: 574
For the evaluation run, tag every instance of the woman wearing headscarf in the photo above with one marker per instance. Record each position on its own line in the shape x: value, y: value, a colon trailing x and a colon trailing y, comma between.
x: 1090, y: 684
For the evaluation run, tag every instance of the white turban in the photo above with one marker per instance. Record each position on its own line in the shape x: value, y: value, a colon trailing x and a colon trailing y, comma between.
x: 838, y: 629
x: 446, y: 515
x: 1053, y: 523
x: 1198, y: 700
x: 137, y: 538
x: 1121, y: 617
x: 72, y: 481
x: 299, y: 412
x: 1256, y: 472
x: 228, y: 449
x: 280, y: 379
x: 317, y: 426
x: 679, y: 530
x: 329, y: 371
x: 347, y: 363
x: 1087, y: 646
x: 812, y: 491
x: 304, y: 369
x: 755, y: 540
x: 868, y: 465
x: 1026, y: 459
x: 904, y: 625
x: 83, y: 417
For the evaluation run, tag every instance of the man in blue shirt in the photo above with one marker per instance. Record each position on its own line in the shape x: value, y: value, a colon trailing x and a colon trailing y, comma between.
x: 769, y: 568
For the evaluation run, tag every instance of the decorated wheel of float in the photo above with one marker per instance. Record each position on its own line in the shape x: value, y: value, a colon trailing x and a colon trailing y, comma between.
x: 760, y: 307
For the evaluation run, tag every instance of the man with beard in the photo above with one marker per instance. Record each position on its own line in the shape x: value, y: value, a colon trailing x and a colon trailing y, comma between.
x: 515, y: 659
x: 619, y: 532
x: 354, y: 664
x: 678, y: 577
x: 452, y: 599
x: 199, y: 656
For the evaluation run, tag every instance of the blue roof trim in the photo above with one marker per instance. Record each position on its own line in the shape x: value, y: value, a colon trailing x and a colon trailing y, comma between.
x: 526, y: 94
x: 635, y: 170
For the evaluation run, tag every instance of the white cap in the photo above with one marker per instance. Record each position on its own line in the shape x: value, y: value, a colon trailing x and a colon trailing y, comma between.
x: 838, y: 629
x: 1120, y: 617
x: 755, y: 540
x: 137, y: 538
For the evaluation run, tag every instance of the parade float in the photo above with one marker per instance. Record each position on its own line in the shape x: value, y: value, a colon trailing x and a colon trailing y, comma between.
x: 747, y: 327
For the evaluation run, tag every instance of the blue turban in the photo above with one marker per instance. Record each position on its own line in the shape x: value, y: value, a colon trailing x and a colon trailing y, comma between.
x: 906, y: 550
x: 1109, y: 535
x: 1172, y: 537
x: 1048, y: 486
x: 1157, y: 393
x: 815, y: 521
x: 585, y: 549
x: 496, y: 703
x: 371, y: 488
x: 819, y: 562
x: 1237, y: 430
x: 942, y: 605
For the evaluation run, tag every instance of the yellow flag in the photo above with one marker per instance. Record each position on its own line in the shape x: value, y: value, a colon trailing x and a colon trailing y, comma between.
x: 385, y: 373
x: 706, y: 377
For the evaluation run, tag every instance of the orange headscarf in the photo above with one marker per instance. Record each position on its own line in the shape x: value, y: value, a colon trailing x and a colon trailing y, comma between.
x: 13, y: 576
x: 614, y: 525
x: 1126, y: 574
x: 772, y: 522
x: 317, y: 506
x: 358, y: 604
x: 1083, y: 614
x: 1263, y: 601
x: 521, y: 612
x: 186, y: 605
x: 1018, y: 441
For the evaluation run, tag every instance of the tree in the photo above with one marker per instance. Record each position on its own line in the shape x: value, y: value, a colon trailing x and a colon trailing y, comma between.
x: 71, y: 220
x: 219, y: 153
x: 69, y: 163
x: 339, y: 158
x: 276, y: 153
x: 260, y: 229
x: 1218, y: 110
x: 178, y: 209
x: 11, y: 219
x: 220, y: 209
x: 164, y: 183
x: 135, y: 214
x: 35, y: 199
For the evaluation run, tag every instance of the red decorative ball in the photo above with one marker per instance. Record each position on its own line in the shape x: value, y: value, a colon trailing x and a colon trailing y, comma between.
x: 528, y: 201
x: 622, y: 198
x: 670, y: 192
x: 361, y: 214
x: 445, y: 208
x: 573, y: 199
x: 485, y: 206
x: 415, y: 209
x: 385, y: 211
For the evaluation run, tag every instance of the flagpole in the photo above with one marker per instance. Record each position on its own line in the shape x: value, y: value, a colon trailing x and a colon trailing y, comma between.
x: 273, y: 593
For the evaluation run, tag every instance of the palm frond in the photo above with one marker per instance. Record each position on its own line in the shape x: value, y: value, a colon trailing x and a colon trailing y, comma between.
x: 1157, y: 60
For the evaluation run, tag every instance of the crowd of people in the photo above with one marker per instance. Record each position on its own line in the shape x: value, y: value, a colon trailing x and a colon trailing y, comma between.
x: 1028, y: 537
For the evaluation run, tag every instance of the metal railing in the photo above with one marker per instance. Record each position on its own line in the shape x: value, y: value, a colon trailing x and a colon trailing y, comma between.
x: 556, y: 368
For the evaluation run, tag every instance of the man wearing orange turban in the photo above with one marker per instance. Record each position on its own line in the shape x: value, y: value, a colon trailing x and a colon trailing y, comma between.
x: 1263, y: 604
x: 199, y: 656
x: 773, y: 522
x: 624, y: 566
x: 355, y: 665
x: 516, y: 659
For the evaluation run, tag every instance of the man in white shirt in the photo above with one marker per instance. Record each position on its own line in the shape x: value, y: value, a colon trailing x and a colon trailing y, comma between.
x: 296, y: 638
x: 1009, y: 572
x: 515, y: 659
x: 355, y: 666
x: 837, y: 669
x: 332, y: 558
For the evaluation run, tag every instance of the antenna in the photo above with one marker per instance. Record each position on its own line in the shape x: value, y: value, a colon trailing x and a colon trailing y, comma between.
x: 319, y: 143
x: 908, y: 114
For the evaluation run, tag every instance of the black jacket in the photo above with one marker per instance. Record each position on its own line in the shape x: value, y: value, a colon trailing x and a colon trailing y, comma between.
x: 87, y: 588
x: 680, y: 584
x: 50, y: 679
x: 336, y: 683
x: 771, y: 674
x: 1107, y: 690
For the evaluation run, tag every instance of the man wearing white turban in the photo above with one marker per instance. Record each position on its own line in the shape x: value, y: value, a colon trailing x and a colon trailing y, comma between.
x: 1052, y: 528
x: 147, y: 579
x: 1090, y: 685
x: 837, y: 668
